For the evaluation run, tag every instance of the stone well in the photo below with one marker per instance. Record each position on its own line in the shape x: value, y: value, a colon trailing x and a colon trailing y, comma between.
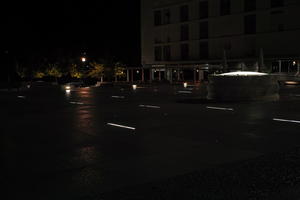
x: 243, y: 86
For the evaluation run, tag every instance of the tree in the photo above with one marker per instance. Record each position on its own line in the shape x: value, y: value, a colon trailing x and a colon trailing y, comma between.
x: 38, y: 74
x: 54, y: 71
x: 96, y: 71
x: 21, y: 71
x: 74, y: 71
x: 119, y: 70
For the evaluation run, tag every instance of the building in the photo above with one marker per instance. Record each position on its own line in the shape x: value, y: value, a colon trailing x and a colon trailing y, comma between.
x: 187, y: 39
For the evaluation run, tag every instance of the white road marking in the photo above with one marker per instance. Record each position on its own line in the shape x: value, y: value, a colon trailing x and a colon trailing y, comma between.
x: 185, y: 92
x: 121, y: 126
x: 118, y: 97
x: 148, y: 106
x: 21, y: 97
x: 219, y: 108
x: 77, y: 103
x: 286, y: 120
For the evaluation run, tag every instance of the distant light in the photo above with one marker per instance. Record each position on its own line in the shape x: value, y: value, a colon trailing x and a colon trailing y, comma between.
x: 28, y: 86
x: 185, y: 84
x: 219, y: 108
x: 243, y: 73
x: 68, y: 87
x: 83, y: 59
x: 121, y: 126
x: 77, y: 103
x: 291, y: 82
x: 294, y: 63
x: 286, y: 120
x: 184, y: 92
x: 148, y: 106
x: 174, y: 71
x: 197, y: 70
x: 21, y: 97
x: 137, y: 71
x: 134, y: 87
x: 118, y: 97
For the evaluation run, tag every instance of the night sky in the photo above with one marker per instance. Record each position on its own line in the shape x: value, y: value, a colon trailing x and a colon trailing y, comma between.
x: 102, y: 29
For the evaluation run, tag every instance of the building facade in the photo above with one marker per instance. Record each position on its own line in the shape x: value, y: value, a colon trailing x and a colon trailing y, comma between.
x: 196, y: 37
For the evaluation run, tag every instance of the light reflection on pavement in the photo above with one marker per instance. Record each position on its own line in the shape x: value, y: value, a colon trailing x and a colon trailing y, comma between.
x: 50, y: 143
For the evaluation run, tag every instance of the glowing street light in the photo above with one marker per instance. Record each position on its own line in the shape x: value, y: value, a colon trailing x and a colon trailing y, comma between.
x: 83, y: 59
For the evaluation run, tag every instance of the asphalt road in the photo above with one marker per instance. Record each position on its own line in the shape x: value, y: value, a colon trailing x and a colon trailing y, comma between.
x: 59, y: 145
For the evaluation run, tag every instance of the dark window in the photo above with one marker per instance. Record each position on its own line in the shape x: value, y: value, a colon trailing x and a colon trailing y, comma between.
x: 157, y: 18
x: 203, y: 50
x: 203, y: 9
x: 157, y: 53
x: 167, y: 16
x: 168, y: 39
x: 276, y: 12
x: 277, y: 22
x: 184, y: 13
x: 184, y: 32
x: 277, y: 3
x: 250, y: 5
x: 227, y: 46
x: 280, y: 27
x: 157, y: 40
x: 225, y: 7
x: 250, y: 24
x: 203, y: 30
x: 167, y: 53
x: 184, y: 51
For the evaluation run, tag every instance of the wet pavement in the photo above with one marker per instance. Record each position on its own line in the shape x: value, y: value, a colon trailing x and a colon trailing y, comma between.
x: 59, y: 145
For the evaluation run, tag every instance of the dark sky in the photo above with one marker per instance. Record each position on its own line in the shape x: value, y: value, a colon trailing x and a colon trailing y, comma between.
x: 101, y: 28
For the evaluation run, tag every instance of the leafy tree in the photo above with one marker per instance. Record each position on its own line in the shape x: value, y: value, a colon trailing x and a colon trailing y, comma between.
x: 21, y: 71
x: 54, y: 71
x: 74, y: 71
x: 96, y: 71
x: 119, y: 70
x: 38, y: 74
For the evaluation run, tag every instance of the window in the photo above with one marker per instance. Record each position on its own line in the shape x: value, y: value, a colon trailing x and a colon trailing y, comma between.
x: 225, y: 7
x: 184, y: 13
x: 203, y: 30
x: 157, y: 40
x: 166, y: 16
x: 277, y: 20
x: 157, y: 53
x: 203, y: 9
x: 250, y: 24
x: 277, y: 3
x: 157, y: 18
x: 203, y: 50
x: 184, y: 32
x: 167, y: 53
x: 249, y: 5
x: 184, y: 51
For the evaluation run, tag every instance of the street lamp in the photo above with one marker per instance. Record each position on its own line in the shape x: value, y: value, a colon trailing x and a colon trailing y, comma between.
x: 83, y: 59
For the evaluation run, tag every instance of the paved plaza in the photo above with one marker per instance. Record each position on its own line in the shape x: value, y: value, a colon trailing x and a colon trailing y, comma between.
x: 68, y: 145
